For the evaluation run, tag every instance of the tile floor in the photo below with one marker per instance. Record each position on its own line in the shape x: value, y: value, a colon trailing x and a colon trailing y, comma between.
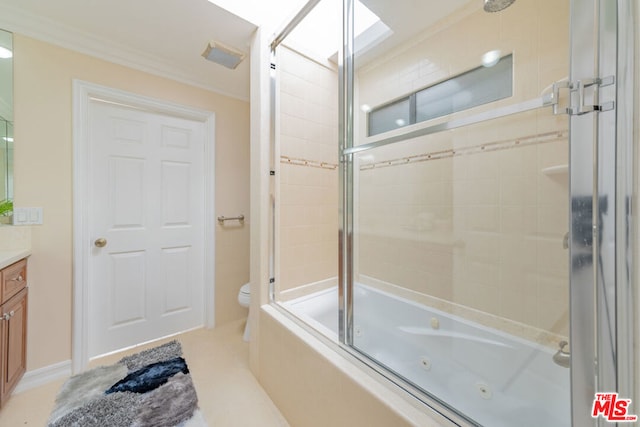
x: 229, y: 395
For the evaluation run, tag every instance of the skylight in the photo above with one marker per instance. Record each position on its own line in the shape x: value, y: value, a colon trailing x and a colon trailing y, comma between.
x: 320, y: 33
x: 321, y: 30
x: 262, y: 13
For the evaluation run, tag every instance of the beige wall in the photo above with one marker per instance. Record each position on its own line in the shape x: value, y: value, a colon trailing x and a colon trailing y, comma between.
x: 474, y: 216
x: 43, y: 169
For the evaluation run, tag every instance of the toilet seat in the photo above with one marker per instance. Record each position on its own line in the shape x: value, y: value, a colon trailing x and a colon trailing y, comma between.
x: 244, y: 299
x: 244, y: 296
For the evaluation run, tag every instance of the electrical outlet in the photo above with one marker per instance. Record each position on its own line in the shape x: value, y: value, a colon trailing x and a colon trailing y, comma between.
x: 27, y: 216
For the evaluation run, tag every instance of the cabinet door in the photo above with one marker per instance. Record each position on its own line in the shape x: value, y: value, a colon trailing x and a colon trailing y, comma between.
x: 14, y: 343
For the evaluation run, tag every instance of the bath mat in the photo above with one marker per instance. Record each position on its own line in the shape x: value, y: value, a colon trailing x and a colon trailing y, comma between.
x: 152, y: 388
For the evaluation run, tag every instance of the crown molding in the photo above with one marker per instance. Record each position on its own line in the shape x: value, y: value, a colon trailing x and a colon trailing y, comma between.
x: 19, y: 21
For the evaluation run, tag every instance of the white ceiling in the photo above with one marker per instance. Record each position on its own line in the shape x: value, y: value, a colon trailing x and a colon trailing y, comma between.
x: 164, y: 37
x: 167, y: 37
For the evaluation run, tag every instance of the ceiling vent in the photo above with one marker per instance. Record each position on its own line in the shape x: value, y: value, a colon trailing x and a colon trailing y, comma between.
x: 223, y: 55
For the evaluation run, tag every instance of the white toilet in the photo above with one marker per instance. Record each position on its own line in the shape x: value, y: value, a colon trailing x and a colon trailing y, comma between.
x: 244, y: 298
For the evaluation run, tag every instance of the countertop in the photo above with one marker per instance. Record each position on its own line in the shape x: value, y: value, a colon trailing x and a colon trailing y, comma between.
x: 8, y: 257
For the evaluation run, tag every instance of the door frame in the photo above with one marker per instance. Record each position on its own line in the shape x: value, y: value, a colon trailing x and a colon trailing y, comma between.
x: 83, y: 92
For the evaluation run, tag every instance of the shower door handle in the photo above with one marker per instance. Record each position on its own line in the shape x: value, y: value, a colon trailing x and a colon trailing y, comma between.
x: 578, y: 87
x: 581, y: 86
x: 555, y: 97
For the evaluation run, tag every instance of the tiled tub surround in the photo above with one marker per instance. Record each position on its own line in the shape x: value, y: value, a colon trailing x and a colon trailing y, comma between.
x: 308, y: 239
x: 470, y: 231
x: 473, y: 218
x: 480, y: 227
x: 309, y: 224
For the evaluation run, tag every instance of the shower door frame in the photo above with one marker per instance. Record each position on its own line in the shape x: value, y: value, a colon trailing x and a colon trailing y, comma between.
x: 602, y: 354
x: 601, y: 166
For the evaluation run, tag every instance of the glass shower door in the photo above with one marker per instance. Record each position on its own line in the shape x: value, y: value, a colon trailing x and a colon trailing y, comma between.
x: 461, y: 282
x: 469, y: 208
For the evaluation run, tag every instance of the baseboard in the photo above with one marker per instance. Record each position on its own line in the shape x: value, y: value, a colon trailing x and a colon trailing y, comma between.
x: 42, y: 376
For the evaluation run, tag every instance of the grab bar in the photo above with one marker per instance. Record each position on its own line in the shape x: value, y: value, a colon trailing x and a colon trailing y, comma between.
x: 222, y: 219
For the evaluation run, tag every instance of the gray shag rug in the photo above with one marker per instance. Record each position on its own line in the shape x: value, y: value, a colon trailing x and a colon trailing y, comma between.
x: 152, y: 388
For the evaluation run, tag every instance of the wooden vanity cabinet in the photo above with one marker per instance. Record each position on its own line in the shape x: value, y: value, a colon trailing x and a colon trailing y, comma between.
x: 13, y: 327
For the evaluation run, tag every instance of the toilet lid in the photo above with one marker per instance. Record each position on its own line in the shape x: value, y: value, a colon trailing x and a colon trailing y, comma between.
x: 246, y: 289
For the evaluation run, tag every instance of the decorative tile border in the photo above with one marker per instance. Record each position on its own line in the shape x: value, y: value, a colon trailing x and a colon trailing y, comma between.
x: 436, y: 155
x: 309, y: 163
x: 476, y: 149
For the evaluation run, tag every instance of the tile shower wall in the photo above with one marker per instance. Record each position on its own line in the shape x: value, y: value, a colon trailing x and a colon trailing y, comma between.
x: 474, y: 216
x: 308, y: 239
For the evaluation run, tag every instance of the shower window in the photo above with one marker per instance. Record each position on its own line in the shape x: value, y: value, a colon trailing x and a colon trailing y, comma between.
x: 392, y: 116
x: 482, y: 85
x: 476, y: 87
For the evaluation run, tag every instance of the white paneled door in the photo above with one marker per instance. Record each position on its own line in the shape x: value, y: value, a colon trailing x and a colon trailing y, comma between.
x: 146, y: 215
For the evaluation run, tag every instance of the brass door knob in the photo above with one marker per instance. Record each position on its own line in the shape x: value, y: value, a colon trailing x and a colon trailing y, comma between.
x: 101, y: 242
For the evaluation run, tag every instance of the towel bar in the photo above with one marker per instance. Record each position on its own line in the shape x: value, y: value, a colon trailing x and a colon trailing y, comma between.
x: 222, y: 219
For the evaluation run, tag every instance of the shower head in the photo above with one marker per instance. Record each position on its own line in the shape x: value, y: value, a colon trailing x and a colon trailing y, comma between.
x: 496, y: 5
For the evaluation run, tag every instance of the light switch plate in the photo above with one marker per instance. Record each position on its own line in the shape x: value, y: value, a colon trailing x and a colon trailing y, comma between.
x: 27, y: 216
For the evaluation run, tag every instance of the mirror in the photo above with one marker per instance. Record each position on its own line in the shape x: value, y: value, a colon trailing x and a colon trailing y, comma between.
x: 6, y: 127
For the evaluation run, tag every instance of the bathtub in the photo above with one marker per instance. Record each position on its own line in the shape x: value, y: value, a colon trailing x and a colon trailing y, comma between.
x: 493, y: 378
